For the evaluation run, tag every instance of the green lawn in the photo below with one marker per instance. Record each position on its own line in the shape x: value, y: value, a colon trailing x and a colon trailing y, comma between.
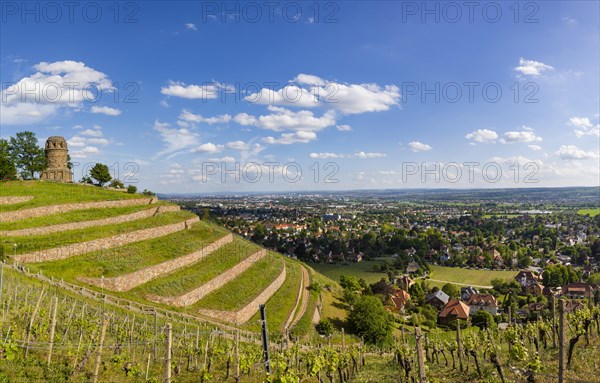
x: 468, y: 276
x: 591, y: 212
x: 73, y: 216
x: 54, y: 193
x: 34, y: 243
x: 362, y: 270
x: 239, y: 292
x: 201, y: 272
x: 134, y: 256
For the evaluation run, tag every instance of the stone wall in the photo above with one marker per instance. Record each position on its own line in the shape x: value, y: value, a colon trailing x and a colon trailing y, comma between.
x: 216, y: 283
x: 11, y: 216
x: 129, y: 281
x: 10, y: 200
x: 68, y: 251
x: 244, y: 314
x: 98, y: 222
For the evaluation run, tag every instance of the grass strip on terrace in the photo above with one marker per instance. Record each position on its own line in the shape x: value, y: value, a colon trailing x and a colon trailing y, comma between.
x: 74, y: 216
x: 195, y: 275
x: 134, y: 256
x: 54, y: 193
x: 282, y: 302
x: 41, y: 242
x: 242, y: 290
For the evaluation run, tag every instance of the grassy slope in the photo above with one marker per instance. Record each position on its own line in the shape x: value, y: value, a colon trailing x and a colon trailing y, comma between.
x: 201, y: 272
x: 239, y: 292
x: 282, y: 303
x: 34, y: 243
x: 73, y: 216
x: 134, y: 256
x: 51, y: 193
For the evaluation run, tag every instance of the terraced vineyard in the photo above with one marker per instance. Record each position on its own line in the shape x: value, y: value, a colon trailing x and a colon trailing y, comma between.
x: 143, y: 250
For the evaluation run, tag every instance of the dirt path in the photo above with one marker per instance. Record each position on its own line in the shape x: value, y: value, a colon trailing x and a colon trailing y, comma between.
x: 305, y: 297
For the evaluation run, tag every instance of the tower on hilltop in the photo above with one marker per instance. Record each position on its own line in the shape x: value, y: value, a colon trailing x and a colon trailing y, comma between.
x: 57, y: 168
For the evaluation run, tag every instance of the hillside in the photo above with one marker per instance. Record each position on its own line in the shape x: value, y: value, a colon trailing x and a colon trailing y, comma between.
x: 136, y: 249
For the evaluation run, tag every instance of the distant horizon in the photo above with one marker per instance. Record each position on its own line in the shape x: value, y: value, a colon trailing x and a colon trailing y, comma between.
x: 376, y: 190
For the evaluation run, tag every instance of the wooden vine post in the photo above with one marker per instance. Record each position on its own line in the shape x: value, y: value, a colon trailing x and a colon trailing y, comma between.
x: 169, y: 346
x: 99, y: 351
x: 420, y: 356
x: 459, y: 349
x: 561, y: 342
x: 52, y: 329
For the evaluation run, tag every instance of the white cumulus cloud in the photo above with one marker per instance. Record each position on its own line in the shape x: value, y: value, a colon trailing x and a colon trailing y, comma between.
x: 572, y: 152
x: 584, y: 127
x: 56, y: 86
x: 300, y: 136
x: 482, y: 135
x: 417, y: 146
x: 105, y: 110
x: 531, y: 67
x: 525, y: 135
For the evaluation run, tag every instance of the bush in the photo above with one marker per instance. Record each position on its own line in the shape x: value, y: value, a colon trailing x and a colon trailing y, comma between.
x: 324, y: 327
x: 117, y: 184
x: 131, y: 189
x: 316, y: 287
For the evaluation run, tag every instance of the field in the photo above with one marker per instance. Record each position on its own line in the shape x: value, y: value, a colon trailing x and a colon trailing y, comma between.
x: 464, y: 277
x: 590, y: 212
x: 438, y: 277
x: 362, y: 270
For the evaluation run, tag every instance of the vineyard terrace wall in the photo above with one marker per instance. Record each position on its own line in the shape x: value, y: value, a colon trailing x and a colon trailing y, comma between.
x: 137, y: 278
x: 18, y: 215
x: 64, y: 252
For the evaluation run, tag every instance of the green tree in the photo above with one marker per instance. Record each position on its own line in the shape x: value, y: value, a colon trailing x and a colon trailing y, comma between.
x: 8, y: 171
x: 131, y: 189
x: 324, y: 327
x: 483, y: 319
x: 369, y: 319
x: 100, y: 173
x: 26, y: 155
x: 452, y: 290
x: 417, y: 293
x: 7, y: 168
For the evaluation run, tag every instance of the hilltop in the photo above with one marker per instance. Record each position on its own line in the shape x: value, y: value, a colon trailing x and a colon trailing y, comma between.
x: 140, y: 250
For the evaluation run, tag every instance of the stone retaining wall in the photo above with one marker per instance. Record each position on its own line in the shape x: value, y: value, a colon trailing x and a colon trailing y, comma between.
x: 98, y: 222
x: 68, y: 251
x: 128, y: 281
x: 11, y: 216
x: 216, y: 283
x: 13, y: 200
x: 244, y: 314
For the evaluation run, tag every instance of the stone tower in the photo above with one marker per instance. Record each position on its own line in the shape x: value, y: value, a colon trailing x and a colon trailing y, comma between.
x: 56, y: 161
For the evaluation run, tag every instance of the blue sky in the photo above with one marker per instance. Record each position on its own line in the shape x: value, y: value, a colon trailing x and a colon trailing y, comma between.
x: 175, y: 96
